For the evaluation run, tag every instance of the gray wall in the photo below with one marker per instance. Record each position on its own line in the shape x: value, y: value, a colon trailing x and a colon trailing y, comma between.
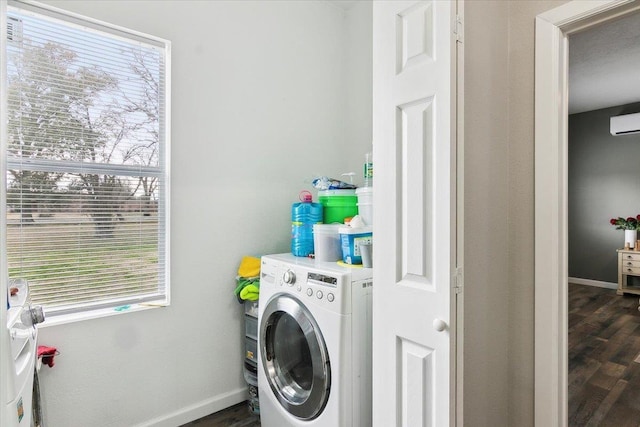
x: 604, y: 182
x: 499, y: 211
x: 486, y: 241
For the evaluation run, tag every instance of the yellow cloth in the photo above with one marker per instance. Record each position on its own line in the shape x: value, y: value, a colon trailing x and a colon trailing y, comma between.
x: 249, y: 267
x: 344, y: 264
x: 250, y: 292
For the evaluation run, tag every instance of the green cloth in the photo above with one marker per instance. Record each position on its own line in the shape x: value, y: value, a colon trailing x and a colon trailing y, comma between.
x: 242, y: 283
x: 250, y: 292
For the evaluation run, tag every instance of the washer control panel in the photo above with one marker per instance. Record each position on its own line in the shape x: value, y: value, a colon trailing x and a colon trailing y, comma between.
x: 322, y: 279
x: 313, y: 286
x: 289, y: 277
x: 322, y: 286
x: 325, y: 286
x: 319, y: 284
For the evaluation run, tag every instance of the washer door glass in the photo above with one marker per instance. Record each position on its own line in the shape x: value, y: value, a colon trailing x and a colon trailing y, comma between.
x: 294, y: 357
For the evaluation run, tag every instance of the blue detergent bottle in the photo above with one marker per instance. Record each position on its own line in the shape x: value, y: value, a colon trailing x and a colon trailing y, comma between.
x: 303, y: 215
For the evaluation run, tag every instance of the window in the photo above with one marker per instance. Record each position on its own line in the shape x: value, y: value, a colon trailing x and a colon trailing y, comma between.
x: 87, y: 146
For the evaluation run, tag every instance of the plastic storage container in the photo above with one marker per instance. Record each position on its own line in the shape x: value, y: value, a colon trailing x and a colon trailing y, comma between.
x: 338, y: 205
x: 251, y: 373
x: 254, y: 399
x: 326, y: 238
x: 251, y: 308
x: 365, y: 204
x: 351, y: 238
x: 368, y: 170
x: 303, y: 216
x: 251, y: 355
x: 251, y: 377
x: 251, y: 349
x: 251, y: 327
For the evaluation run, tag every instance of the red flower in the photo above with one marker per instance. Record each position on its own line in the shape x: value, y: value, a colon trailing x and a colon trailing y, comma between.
x: 629, y: 223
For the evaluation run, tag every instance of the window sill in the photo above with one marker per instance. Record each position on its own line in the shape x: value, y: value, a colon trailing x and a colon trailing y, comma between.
x: 61, y: 319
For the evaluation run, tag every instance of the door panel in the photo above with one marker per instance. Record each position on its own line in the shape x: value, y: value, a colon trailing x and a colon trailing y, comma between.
x: 413, y: 172
x: 417, y: 383
x: 414, y: 217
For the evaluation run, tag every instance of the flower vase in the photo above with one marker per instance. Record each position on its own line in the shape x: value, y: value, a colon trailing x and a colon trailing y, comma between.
x: 630, y: 237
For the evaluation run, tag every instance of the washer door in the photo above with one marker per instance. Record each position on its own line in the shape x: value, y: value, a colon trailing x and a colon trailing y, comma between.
x: 294, y: 357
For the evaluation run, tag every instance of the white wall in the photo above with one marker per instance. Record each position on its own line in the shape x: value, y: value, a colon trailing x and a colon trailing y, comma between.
x: 264, y: 96
x: 359, y: 53
x: 275, y: 82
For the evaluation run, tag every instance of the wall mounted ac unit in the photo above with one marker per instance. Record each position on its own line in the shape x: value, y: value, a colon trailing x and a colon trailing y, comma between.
x: 625, y: 125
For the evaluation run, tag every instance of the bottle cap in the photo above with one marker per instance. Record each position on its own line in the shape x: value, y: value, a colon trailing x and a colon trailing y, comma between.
x: 305, y: 196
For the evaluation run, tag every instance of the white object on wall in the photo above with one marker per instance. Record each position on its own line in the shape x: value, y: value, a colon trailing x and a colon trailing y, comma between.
x: 627, y: 124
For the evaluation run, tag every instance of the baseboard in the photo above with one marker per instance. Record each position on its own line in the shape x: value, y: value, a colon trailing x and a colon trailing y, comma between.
x: 589, y: 282
x: 198, y: 410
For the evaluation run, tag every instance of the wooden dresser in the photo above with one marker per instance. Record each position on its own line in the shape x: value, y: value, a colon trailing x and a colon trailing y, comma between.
x: 628, y: 265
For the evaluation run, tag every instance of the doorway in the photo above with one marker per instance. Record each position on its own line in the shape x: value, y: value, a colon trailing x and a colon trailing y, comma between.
x: 603, y: 325
x: 551, y: 188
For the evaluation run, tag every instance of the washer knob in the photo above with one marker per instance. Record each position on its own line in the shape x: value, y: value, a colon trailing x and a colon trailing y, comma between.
x: 289, y: 277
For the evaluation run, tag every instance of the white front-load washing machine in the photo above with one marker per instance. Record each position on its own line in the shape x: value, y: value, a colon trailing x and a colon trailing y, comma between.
x: 314, y: 343
x: 19, y: 339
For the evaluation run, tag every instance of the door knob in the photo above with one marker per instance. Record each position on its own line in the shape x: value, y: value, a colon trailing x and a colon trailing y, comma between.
x: 439, y: 325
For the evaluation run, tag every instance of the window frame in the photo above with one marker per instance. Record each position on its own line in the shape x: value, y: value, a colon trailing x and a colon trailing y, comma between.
x: 101, y: 308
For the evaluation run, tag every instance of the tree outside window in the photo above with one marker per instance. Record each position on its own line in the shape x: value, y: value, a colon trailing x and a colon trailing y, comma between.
x: 86, y: 148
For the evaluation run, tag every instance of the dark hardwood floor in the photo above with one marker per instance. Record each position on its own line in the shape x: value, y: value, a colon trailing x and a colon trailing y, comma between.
x: 234, y: 416
x: 604, y: 358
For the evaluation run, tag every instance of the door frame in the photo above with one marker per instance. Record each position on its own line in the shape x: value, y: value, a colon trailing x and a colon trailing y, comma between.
x: 551, y: 190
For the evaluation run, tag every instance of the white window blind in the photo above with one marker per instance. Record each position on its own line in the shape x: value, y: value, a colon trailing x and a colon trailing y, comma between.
x: 86, y: 161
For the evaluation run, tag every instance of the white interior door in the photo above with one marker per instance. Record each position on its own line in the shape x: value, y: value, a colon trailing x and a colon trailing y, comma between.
x: 415, y: 210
